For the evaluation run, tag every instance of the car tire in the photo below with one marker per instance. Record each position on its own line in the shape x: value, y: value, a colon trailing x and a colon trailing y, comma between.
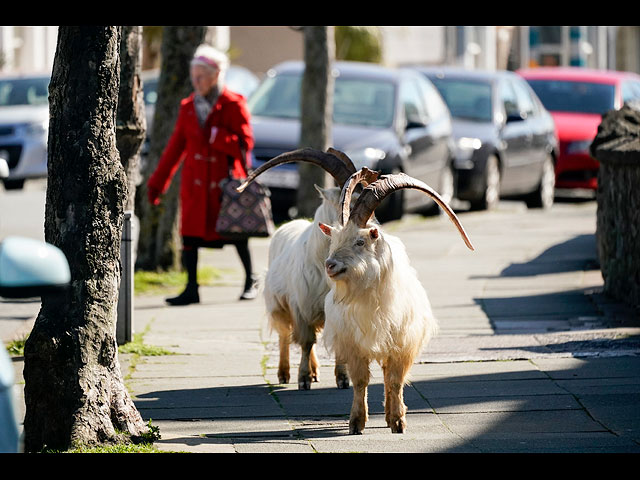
x: 491, y: 194
x: 13, y: 184
x: 446, y: 189
x: 392, y: 207
x: 543, y: 196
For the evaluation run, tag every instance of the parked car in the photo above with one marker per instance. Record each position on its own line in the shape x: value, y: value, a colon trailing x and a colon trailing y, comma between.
x: 506, y: 144
x: 28, y: 268
x: 577, y: 98
x: 389, y: 120
x: 24, y: 125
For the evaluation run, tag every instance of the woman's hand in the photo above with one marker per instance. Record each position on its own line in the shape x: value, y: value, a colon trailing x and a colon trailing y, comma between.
x: 153, y: 194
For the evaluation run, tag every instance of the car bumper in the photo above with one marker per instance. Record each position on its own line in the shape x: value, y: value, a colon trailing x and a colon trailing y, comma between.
x: 27, y: 159
x: 470, y: 172
x: 578, y: 170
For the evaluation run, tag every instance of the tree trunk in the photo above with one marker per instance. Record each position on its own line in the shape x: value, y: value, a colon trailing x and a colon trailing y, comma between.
x: 74, y: 392
x: 130, y: 121
x: 158, y: 247
x: 316, y: 111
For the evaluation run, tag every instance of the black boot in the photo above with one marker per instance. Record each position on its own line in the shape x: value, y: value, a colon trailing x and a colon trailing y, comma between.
x: 250, y: 283
x: 250, y: 289
x: 190, y: 294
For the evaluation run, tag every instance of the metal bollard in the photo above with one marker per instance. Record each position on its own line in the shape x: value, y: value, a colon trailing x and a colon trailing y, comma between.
x: 124, y: 325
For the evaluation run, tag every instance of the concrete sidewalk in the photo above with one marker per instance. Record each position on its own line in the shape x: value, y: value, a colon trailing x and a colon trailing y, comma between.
x: 530, y: 356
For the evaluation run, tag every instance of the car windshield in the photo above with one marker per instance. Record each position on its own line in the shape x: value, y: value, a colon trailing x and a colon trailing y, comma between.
x: 466, y: 99
x: 356, y: 101
x: 24, y: 91
x: 571, y: 96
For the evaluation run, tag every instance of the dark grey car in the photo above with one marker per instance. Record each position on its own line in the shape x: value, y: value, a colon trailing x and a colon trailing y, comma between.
x: 506, y: 143
x: 386, y: 119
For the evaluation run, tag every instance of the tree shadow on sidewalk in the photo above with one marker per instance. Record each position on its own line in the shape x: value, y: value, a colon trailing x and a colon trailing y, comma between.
x: 542, y: 405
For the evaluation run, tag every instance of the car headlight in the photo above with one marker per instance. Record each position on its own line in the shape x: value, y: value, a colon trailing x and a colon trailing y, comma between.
x: 465, y: 146
x: 366, y: 157
x: 37, y: 129
x: 580, y: 146
x: 469, y: 143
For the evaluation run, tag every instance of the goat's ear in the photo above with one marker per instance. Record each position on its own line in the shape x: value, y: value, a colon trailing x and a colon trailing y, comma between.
x: 320, y: 190
x: 326, y: 229
x: 373, y: 233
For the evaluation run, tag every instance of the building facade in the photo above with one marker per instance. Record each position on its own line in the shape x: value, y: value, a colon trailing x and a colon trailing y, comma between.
x: 31, y: 49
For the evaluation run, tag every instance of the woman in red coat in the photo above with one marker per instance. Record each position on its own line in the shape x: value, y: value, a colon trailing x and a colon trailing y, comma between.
x: 212, y: 139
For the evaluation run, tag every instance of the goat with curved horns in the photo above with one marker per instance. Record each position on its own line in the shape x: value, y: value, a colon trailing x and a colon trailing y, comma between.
x: 295, y: 285
x: 376, y: 308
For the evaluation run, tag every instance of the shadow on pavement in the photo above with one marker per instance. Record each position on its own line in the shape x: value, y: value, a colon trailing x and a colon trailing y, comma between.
x: 543, y: 405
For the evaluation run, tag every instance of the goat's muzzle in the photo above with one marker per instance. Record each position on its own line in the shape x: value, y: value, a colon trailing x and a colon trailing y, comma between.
x: 334, y: 268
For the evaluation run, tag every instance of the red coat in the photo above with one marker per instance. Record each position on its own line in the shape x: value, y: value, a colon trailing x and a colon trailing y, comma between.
x: 205, y: 160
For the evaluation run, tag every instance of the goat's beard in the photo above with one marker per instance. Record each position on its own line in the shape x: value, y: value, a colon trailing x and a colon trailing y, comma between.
x: 361, y: 276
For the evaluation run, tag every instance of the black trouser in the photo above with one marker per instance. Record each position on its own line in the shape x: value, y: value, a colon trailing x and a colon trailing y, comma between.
x: 190, y: 247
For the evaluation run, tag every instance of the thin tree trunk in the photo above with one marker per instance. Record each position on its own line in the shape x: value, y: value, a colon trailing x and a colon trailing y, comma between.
x: 158, y: 247
x: 316, y: 111
x: 74, y: 391
x: 130, y: 121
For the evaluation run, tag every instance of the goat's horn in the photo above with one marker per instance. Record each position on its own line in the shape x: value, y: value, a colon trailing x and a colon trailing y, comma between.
x: 373, y: 195
x: 365, y: 177
x: 342, y: 156
x: 335, y: 163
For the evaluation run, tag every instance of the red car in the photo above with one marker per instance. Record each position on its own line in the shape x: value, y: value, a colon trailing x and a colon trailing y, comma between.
x: 577, y: 98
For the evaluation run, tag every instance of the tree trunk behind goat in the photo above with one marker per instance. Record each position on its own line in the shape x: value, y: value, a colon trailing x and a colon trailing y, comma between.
x: 316, y: 110
x: 159, y: 242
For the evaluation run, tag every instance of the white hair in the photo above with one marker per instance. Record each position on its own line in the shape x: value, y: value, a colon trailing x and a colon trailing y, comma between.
x: 212, y: 58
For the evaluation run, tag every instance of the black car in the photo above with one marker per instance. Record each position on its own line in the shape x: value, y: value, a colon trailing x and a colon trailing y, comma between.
x: 506, y: 144
x: 391, y: 120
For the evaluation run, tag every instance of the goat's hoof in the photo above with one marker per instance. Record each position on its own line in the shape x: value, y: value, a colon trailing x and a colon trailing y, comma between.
x: 355, y: 429
x: 398, y: 426
x: 304, y: 384
x: 342, y: 381
x: 283, y: 378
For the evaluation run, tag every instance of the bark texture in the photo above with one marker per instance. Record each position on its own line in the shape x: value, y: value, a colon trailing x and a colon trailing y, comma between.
x: 316, y: 111
x: 159, y: 242
x: 617, y: 148
x: 74, y: 391
x: 131, y: 123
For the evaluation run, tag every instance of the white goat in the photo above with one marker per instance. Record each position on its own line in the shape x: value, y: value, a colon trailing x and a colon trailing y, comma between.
x: 376, y: 308
x: 295, y: 284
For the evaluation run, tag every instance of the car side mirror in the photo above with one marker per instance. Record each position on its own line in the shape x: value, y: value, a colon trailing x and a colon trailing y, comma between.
x: 516, y: 117
x: 30, y: 268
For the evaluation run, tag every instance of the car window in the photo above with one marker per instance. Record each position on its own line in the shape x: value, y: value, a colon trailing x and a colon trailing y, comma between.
x: 466, y: 99
x: 526, y: 104
x: 412, y: 99
x: 508, y: 98
x: 277, y: 96
x: 356, y: 101
x: 24, y: 91
x: 572, y: 96
x: 363, y: 102
x: 435, y: 106
x: 630, y: 90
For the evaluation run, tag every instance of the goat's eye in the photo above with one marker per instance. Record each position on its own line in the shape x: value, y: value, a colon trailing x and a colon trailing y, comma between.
x: 360, y: 242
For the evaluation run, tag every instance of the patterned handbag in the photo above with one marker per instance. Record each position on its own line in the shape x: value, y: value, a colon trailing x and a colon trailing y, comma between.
x: 246, y: 214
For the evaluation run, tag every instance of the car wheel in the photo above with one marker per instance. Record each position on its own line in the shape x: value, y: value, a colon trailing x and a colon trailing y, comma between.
x: 392, y: 207
x: 544, y: 195
x: 446, y: 190
x: 13, y: 184
x: 491, y: 195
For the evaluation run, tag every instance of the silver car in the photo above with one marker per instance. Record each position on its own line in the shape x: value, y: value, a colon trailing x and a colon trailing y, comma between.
x: 24, y: 124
